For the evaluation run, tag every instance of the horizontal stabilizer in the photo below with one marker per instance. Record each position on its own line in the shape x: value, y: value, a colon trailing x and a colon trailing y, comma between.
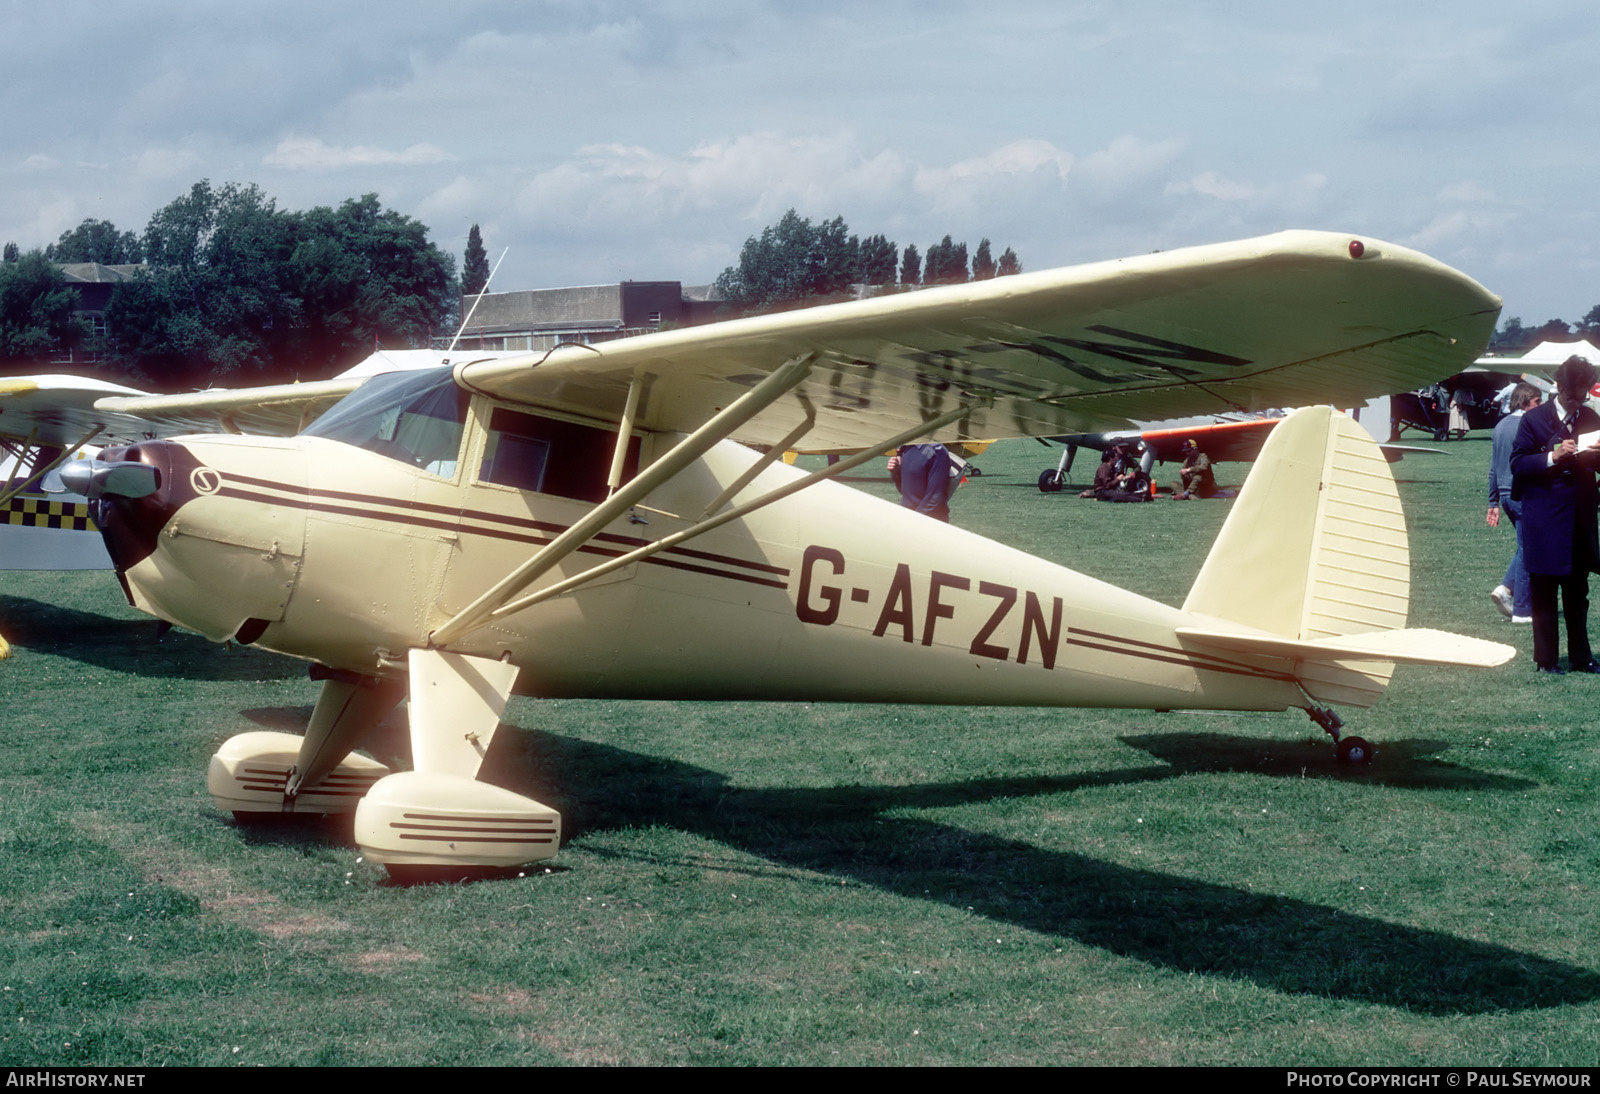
x: 1417, y: 646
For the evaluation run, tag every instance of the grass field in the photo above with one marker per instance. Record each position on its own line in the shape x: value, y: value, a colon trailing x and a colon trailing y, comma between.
x: 797, y: 883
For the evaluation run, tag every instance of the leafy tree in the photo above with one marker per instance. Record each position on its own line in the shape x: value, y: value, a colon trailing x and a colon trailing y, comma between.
x: 911, y: 266
x: 364, y: 275
x: 878, y: 256
x: 946, y: 263
x: 240, y: 289
x: 212, y: 301
x: 474, y: 265
x: 35, y: 309
x: 1510, y: 335
x: 791, y: 262
x: 1008, y: 263
x: 1589, y: 325
x: 10, y: 252
x: 1551, y: 330
x: 96, y: 241
x: 982, y: 263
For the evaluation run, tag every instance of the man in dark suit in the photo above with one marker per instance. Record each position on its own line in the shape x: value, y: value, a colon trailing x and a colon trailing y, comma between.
x: 1555, y: 482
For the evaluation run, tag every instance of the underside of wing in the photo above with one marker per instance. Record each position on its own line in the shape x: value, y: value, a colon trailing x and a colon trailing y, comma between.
x: 1280, y: 320
x: 60, y: 412
x: 279, y: 410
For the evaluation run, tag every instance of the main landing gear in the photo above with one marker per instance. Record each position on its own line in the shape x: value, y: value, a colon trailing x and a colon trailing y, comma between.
x: 435, y: 823
x: 1356, y: 751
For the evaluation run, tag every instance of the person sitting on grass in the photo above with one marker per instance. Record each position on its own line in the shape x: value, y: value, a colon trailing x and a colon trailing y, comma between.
x: 1195, y: 479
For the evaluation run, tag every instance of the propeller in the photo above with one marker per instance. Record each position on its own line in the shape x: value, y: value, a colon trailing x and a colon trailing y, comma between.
x: 101, y: 478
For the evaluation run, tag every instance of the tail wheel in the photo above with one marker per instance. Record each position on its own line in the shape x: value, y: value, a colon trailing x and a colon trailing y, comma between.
x: 1049, y: 481
x: 1355, y: 751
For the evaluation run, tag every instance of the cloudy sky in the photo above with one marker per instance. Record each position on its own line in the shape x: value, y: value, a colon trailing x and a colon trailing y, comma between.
x: 606, y: 140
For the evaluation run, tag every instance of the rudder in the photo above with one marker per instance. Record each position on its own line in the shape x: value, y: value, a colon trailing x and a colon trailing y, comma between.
x: 1315, y: 547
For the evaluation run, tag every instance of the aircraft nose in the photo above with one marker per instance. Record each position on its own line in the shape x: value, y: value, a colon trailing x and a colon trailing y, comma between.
x: 134, y: 490
x: 96, y: 479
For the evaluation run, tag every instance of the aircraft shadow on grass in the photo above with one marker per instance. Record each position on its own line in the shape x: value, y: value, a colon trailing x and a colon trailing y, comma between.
x: 1173, y: 922
x: 1168, y: 921
x: 132, y: 645
x: 1408, y: 763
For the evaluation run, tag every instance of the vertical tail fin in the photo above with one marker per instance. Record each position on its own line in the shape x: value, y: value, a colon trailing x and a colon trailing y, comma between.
x: 1316, y: 543
x: 1314, y: 548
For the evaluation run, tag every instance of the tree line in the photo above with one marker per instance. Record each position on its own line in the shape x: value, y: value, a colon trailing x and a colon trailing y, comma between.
x: 795, y: 262
x: 1513, y: 337
x: 235, y: 289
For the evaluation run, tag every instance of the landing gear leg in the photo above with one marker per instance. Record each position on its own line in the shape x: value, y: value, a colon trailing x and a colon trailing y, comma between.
x: 438, y: 822
x: 1351, y: 750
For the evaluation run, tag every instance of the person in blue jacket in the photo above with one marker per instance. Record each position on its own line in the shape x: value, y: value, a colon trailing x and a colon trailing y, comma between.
x: 1553, y: 477
x: 1514, y: 595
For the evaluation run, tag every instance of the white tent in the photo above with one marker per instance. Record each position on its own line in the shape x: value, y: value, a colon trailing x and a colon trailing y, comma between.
x: 1542, y: 358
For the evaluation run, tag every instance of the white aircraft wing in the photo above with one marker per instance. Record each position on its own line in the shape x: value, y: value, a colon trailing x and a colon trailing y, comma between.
x: 64, y: 411
x: 271, y: 410
x: 275, y: 410
x: 60, y: 412
x: 1280, y: 320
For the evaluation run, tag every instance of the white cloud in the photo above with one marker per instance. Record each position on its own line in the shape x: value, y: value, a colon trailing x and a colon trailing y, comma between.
x: 1455, y: 228
x: 752, y: 178
x: 310, y: 153
x: 1212, y: 185
x: 40, y: 162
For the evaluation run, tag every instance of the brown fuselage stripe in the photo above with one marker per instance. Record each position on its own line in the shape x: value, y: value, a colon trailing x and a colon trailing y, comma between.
x: 499, y: 518
x: 1170, y: 655
x: 312, y: 503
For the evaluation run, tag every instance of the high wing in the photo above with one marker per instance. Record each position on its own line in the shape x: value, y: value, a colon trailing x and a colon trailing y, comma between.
x: 69, y: 411
x: 60, y: 412
x: 279, y: 410
x: 1276, y: 321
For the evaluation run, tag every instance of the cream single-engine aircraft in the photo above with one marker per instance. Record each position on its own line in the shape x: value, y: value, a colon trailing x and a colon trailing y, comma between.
x: 586, y: 523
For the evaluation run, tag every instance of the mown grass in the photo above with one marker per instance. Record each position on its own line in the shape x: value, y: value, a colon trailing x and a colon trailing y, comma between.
x: 814, y: 883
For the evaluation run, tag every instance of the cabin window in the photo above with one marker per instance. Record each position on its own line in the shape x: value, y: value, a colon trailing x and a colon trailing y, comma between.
x: 414, y: 417
x: 549, y: 456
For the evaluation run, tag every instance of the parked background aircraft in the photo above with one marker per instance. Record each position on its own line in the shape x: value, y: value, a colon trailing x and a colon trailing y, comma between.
x: 1225, y: 438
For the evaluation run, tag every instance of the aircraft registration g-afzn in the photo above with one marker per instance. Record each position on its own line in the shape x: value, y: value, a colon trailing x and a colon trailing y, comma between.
x: 586, y: 522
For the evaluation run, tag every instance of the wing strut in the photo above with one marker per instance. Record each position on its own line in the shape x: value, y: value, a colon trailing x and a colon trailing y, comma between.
x: 35, y: 473
x: 619, y: 457
x: 733, y: 514
x: 771, y: 388
x: 767, y: 459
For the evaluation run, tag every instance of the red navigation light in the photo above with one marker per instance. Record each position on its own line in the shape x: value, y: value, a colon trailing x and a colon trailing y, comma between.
x: 1356, y: 249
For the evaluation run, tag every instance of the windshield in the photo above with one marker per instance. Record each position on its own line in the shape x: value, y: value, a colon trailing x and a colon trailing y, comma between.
x: 414, y: 417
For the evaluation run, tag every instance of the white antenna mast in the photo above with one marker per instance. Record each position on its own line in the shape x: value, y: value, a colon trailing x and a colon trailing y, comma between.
x: 475, y: 300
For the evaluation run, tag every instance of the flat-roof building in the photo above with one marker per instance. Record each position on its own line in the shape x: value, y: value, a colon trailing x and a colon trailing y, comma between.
x: 539, y: 319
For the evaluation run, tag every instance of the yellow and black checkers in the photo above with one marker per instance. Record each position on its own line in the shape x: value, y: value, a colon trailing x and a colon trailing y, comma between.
x: 43, y: 513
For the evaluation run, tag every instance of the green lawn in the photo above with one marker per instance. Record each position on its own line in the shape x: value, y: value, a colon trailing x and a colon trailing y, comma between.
x: 799, y: 883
